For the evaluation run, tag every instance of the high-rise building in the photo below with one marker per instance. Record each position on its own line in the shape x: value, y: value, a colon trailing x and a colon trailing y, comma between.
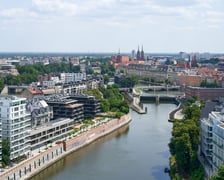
x: 16, y: 125
x: 133, y: 54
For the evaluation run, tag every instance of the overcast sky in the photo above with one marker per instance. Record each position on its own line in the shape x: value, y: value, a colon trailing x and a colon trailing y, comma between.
x: 109, y: 25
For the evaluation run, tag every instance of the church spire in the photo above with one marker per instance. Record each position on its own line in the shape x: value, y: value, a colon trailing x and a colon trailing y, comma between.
x: 138, y: 54
x: 142, y: 54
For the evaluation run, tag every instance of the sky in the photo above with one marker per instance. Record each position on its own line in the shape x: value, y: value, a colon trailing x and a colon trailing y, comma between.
x: 167, y: 26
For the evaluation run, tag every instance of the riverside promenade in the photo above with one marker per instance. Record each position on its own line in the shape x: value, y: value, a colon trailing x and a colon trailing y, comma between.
x: 46, y: 157
x: 177, y: 113
x: 134, y: 98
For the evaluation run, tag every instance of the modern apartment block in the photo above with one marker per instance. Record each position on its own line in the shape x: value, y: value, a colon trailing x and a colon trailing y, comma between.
x: 50, y: 132
x: 212, y: 141
x: 65, y: 107
x: 16, y: 124
x: 91, y: 104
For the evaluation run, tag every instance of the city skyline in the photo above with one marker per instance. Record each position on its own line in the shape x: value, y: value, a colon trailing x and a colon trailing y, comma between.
x: 108, y: 25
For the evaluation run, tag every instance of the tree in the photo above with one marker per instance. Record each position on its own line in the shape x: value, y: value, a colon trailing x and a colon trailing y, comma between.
x: 183, y: 153
x: 2, y: 84
x: 219, y: 175
x: 106, y: 79
x: 5, y: 152
x: 105, y: 105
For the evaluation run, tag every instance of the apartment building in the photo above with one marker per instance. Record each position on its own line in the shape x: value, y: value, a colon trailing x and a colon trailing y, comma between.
x: 65, y: 107
x: 75, y: 88
x: 158, y: 72
x: 50, y: 132
x: 41, y: 112
x: 72, y: 77
x: 212, y: 141
x: 91, y: 104
x: 16, y: 124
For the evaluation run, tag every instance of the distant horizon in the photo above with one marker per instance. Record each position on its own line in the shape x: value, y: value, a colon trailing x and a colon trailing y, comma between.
x: 99, y: 52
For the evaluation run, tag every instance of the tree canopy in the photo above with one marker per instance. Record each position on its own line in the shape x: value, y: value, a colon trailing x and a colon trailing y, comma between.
x: 184, y: 144
x: 219, y: 175
x: 111, y: 99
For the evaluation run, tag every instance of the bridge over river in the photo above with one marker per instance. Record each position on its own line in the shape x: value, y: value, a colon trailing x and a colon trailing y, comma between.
x: 159, y: 98
x: 158, y: 88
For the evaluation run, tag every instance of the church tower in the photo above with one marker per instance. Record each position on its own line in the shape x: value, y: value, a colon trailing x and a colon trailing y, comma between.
x: 142, y: 54
x: 138, y: 54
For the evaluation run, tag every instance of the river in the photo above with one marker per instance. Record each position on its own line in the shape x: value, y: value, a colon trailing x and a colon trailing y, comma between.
x: 138, y: 151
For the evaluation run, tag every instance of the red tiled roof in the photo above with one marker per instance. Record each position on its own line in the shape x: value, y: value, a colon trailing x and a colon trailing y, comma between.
x: 34, y: 91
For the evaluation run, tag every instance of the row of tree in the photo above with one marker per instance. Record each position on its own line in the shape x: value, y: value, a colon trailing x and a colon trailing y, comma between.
x: 184, y: 145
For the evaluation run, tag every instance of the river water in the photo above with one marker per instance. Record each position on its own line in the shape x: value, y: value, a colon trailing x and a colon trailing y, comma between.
x: 136, y: 152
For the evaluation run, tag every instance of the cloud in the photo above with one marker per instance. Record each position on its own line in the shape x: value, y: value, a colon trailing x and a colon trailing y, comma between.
x: 119, y: 11
x: 55, y: 6
x: 17, y: 14
x: 12, y: 13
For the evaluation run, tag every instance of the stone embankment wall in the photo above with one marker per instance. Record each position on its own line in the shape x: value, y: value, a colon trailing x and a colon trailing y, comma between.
x: 42, y: 160
x: 95, y: 133
x: 33, y: 164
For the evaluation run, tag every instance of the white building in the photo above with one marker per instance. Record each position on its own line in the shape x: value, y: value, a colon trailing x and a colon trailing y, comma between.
x: 212, y: 141
x: 51, y: 83
x: 16, y: 124
x: 72, y: 77
x: 205, y: 56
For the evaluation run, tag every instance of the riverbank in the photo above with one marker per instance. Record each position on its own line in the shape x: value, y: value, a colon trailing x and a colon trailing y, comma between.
x: 121, y: 155
x: 38, y: 162
x: 134, y: 102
